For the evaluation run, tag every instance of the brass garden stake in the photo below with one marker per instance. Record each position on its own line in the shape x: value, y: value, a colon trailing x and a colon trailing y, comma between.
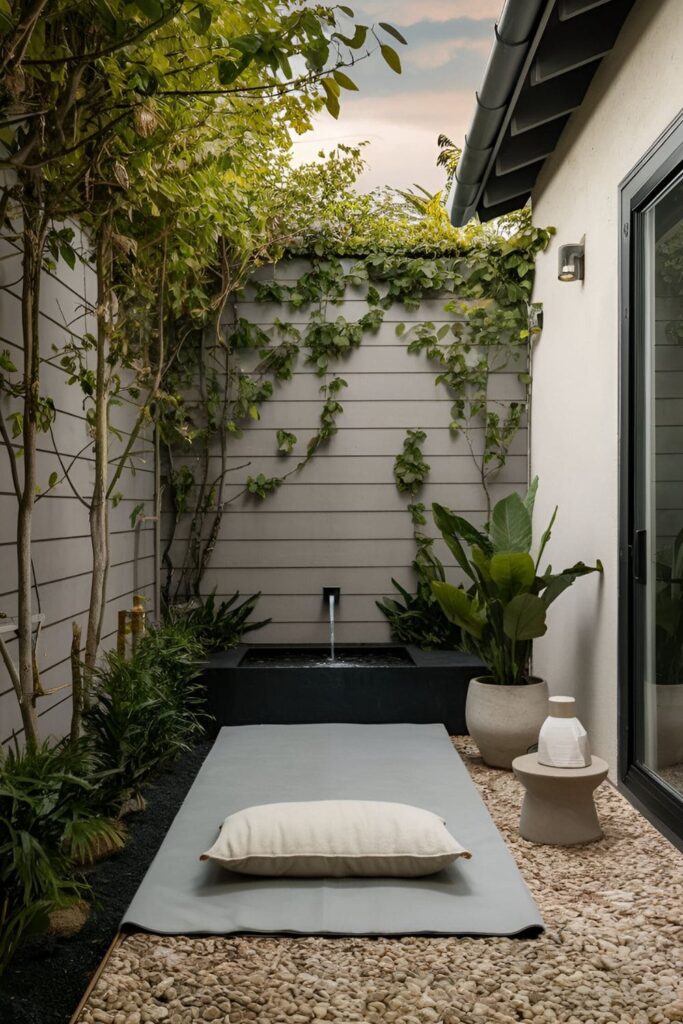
x: 121, y: 634
x: 137, y: 620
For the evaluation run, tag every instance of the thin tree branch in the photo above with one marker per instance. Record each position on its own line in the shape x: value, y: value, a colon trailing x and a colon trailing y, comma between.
x: 66, y: 471
x: 11, y: 454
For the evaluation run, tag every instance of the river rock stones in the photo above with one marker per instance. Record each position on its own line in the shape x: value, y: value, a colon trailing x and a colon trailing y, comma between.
x: 612, y: 952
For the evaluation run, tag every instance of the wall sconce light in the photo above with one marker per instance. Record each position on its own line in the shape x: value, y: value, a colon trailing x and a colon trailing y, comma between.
x: 571, y: 262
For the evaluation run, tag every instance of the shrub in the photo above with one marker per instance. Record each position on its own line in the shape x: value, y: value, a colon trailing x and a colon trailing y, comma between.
x: 218, y: 628
x: 174, y: 651
x: 505, y: 607
x: 146, y: 712
x: 50, y: 818
x: 57, y: 800
x: 417, y: 618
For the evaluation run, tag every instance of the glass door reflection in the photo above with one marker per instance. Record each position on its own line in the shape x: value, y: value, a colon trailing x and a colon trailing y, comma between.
x: 658, y: 547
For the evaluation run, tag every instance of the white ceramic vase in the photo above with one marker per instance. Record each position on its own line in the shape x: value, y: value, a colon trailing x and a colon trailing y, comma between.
x: 563, y: 741
x: 504, y: 720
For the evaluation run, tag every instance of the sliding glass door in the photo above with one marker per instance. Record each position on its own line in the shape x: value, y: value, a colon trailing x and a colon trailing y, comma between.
x: 652, y: 481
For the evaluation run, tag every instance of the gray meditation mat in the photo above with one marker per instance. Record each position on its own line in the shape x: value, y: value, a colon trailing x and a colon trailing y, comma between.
x: 259, y: 764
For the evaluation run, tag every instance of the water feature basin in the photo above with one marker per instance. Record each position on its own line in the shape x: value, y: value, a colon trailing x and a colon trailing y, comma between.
x: 273, y: 684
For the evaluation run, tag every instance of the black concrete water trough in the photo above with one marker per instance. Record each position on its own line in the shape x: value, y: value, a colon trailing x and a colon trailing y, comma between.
x: 269, y: 684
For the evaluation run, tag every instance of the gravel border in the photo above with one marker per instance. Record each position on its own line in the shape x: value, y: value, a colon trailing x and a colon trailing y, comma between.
x: 49, y: 975
x: 612, y: 952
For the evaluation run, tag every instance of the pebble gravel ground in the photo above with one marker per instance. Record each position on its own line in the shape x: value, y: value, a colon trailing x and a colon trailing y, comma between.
x: 612, y: 952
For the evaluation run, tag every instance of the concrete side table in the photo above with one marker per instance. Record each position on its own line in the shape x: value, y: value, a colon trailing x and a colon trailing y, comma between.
x: 558, y: 807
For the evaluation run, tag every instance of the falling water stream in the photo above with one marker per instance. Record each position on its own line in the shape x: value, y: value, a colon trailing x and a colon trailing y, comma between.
x: 331, y: 627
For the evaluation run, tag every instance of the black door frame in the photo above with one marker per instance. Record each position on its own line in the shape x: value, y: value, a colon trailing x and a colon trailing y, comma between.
x: 660, y: 165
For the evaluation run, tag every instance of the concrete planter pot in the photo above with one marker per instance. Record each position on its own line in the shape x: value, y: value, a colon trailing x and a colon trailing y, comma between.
x: 504, y: 721
x: 669, y: 724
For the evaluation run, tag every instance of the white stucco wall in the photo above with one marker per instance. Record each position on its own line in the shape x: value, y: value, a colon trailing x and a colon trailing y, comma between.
x: 575, y: 428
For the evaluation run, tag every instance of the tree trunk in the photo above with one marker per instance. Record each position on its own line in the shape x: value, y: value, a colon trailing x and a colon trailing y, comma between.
x: 76, y: 682
x: 33, y: 241
x: 99, y: 507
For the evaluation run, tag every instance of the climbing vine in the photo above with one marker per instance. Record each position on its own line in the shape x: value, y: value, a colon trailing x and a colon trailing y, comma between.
x: 410, y: 468
x: 485, y: 287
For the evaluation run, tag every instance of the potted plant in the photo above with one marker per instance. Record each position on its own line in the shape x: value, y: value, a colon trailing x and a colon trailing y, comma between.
x: 669, y: 654
x: 501, y: 613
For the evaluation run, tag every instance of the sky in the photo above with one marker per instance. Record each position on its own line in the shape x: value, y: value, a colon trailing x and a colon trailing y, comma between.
x: 401, y: 116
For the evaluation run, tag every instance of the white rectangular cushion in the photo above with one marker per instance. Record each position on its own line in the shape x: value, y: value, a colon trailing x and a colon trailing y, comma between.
x: 338, y: 838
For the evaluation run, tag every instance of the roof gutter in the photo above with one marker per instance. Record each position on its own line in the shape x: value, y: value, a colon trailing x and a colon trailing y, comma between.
x: 514, y: 36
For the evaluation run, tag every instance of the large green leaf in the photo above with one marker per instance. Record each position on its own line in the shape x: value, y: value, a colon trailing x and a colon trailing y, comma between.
x: 458, y: 607
x: 444, y: 520
x: 512, y: 572
x: 524, y: 618
x: 511, y: 525
x: 559, y: 582
x: 546, y: 537
x: 454, y: 525
x: 530, y: 497
x: 555, y: 586
x: 482, y: 563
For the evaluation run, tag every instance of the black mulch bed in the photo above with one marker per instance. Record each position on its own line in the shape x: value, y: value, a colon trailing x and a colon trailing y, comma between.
x: 47, y: 978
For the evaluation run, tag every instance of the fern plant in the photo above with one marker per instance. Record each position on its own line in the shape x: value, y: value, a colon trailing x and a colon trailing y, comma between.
x: 417, y: 618
x: 174, y: 650
x: 51, y: 820
x: 143, y: 717
x: 217, y: 627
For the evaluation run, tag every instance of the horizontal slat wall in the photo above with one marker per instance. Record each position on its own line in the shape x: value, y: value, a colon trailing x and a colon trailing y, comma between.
x: 340, y: 521
x: 62, y: 555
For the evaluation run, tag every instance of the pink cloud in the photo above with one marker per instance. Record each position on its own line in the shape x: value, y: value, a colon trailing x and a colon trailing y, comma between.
x: 435, y: 55
x: 408, y: 12
x: 401, y: 131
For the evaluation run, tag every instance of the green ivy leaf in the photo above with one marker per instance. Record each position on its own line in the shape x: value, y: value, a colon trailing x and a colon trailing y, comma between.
x: 68, y: 254
x: 284, y: 64
x: 17, y: 421
x: 6, y: 363
x: 331, y: 98
x: 228, y: 71
x: 391, y: 57
x: 286, y: 441
x: 137, y: 511
x: 355, y: 41
x: 344, y: 81
x: 390, y: 30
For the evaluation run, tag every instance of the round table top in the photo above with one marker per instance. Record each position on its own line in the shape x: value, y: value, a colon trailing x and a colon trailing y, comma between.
x: 528, y: 764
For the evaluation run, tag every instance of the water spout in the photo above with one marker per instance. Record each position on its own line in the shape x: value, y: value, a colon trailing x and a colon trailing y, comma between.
x: 331, y: 595
x: 331, y: 627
